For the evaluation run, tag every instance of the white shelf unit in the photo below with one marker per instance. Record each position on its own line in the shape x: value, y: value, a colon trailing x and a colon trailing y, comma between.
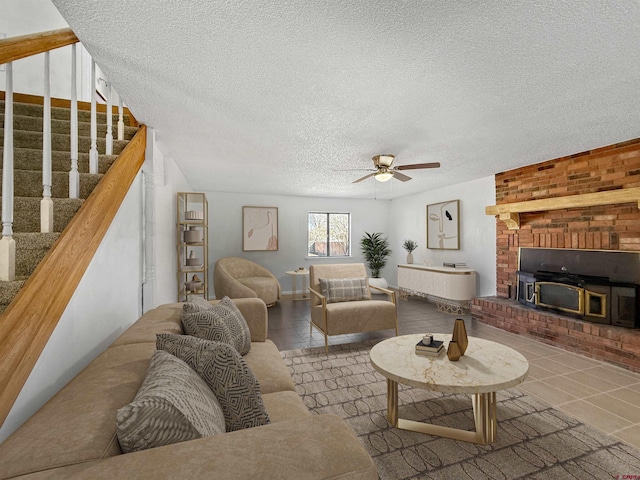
x: 192, y: 215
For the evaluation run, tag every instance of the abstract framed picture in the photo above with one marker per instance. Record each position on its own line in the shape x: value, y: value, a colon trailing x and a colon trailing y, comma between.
x: 443, y: 225
x: 259, y: 229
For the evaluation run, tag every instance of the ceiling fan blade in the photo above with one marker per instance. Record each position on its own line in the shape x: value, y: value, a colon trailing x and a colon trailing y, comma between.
x: 415, y: 166
x: 401, y: 176
x: 364, y: 178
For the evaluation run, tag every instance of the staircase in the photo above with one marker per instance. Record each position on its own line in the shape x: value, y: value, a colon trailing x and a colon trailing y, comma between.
x: 31, y: 245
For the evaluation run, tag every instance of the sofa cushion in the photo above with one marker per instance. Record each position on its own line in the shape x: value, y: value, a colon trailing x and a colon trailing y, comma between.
x: 265, y: 361
x: 222, y: 322
x: 196, y: 304
x: 173, y: 405
x: 344, y: 289
x: 227, y: 375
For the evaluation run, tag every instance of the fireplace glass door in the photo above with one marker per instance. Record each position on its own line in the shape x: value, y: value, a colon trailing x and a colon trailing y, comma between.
x: 560, y: 296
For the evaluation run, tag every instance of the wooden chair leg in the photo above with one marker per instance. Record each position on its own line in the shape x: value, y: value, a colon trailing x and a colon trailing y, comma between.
x: 326, y: 343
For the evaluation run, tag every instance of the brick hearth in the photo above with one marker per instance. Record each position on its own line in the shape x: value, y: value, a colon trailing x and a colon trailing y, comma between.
x: 617, y: 345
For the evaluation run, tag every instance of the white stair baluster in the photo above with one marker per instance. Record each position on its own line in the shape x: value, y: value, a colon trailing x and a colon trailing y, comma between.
x: 109, y: 138
x: 93, y: 152
x: 7, y: 243
x: 46, y: 204
x: 74, y: 176
x: 120, y: 120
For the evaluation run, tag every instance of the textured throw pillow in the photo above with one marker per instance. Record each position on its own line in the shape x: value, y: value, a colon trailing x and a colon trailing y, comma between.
x: 196, y: 304
x: 172, y: 405
x: 223, y: 322
x: 227, y: 375
x: 344, y: 289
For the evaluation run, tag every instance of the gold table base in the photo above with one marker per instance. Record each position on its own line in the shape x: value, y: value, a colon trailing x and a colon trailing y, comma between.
x: 484, y: 414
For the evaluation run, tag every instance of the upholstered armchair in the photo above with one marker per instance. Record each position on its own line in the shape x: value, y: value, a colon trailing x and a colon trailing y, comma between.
x: 341, y: 301
x: 241, y: 278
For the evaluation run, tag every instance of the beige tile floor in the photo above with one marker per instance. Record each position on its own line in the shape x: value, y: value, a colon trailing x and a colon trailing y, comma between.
x: 597, y: 393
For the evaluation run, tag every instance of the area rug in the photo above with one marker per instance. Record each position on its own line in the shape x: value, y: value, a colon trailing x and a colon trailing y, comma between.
x: 534, y: 440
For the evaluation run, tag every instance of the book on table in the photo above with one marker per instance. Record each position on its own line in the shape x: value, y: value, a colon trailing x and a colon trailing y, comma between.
x: 434, y: 346
x: 426, y: 353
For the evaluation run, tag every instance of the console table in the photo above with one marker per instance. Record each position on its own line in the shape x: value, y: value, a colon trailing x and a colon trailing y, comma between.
x: 450, y: 288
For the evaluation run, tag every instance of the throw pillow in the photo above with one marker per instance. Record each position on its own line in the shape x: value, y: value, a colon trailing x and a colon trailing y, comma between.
x: 344, y: 289
x: 196, y: 304
x: 172, y: 405
x: 227, y: 375
x: 222, y: 322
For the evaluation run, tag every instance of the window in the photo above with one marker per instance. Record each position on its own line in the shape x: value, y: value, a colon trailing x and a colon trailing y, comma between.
x: 328, y: 235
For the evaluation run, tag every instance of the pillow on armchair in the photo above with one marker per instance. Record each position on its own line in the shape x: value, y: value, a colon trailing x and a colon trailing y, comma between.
x: 344, y: 289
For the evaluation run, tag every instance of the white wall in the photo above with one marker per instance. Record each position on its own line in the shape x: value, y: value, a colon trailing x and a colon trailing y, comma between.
x: 407, y: 220
x: 173, y: 181
x: 106, y: 302
x: 225, y: 229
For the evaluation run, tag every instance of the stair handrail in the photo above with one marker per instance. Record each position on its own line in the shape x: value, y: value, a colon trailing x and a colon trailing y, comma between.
x: 24, y: 46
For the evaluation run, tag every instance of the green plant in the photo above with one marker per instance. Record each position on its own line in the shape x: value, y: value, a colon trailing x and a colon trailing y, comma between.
x: 375, y: 249
x: 409, y: 245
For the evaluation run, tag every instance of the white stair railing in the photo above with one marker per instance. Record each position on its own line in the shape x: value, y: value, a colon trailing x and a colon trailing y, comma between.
x: 74, y: 176
x: 46, y: 204
x: 7, y: 243
x: 109, y: 137
x: 93, y: 152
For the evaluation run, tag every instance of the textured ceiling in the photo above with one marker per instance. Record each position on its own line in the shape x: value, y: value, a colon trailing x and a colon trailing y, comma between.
x: 278, y: 97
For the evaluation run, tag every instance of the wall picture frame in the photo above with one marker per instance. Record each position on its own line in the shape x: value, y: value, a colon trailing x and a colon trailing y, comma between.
x: 443, y: 225
x: 259, y: 229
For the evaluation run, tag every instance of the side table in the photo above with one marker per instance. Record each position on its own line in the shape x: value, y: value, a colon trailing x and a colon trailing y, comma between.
x: 304, y: 273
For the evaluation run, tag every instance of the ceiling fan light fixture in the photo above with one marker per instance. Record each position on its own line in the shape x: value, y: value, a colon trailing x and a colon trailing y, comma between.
x: 383, y: 176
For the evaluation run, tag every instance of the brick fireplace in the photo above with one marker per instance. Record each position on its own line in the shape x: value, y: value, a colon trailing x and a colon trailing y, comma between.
x: 602, y: 227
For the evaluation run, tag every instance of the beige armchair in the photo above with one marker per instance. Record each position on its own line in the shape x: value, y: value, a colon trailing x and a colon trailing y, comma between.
x: 241, y: 278
x: 337, y: 311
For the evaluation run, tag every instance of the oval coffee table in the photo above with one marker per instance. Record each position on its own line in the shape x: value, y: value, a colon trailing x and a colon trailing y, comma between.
x: 485, y: 368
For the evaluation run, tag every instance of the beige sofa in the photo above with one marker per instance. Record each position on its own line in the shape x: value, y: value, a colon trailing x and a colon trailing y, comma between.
x: 74, y: 434
x: 238, y: 277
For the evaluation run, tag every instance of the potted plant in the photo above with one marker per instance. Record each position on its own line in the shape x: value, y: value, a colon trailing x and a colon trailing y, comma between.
x: 375, y: 249
x: 409, y: 246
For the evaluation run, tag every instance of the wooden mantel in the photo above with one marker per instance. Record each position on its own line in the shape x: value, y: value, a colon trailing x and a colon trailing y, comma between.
x: 510, y: 212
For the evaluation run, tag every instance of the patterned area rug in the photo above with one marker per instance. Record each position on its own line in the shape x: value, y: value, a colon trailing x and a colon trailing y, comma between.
x: 534, y: 440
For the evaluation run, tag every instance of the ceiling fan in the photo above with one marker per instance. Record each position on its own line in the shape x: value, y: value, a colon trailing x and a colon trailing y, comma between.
x: 384, y: 171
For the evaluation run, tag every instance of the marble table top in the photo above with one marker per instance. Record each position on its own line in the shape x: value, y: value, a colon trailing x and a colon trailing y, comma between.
x: 485, y: 367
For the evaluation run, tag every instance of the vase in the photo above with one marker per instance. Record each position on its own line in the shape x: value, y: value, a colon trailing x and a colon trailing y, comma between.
x: 409, y: 258
x: 460, y: 335
x: 453, y: 351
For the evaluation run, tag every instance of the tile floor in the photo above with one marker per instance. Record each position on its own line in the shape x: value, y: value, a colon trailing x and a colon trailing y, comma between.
x: 597, y: 393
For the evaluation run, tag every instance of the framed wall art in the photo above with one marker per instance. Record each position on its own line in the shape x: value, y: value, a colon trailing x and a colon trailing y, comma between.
x: 259, y: 228
x: 443, y: 225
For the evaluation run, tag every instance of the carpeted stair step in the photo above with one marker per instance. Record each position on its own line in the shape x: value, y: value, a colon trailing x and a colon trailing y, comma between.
x: 26, y: 213
x: 31, y: 159
x: 34, y: 124
x: 28, y: 183
x: 60, y: 142
x: 30, y: 249
x: 58, y: 113
x: 8, y: 290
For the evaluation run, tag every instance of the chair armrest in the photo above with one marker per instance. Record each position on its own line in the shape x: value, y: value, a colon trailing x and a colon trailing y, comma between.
x: 321, y: 297
x: 391, y: 293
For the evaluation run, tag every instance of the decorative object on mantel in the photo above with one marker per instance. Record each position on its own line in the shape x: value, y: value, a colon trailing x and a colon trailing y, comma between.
x: 454, y: 265
x: 409, y: 246
x: 443, y: 225
x: 375, y: 249
x: 453, y: 351
x: 460, y: 335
